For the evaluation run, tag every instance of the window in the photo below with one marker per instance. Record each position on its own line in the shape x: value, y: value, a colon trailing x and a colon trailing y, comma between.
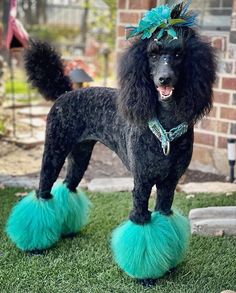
x: 213, y: 14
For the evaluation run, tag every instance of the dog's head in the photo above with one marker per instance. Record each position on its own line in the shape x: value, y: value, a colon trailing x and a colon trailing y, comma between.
x: 165, y: 60
x: 153, y: 72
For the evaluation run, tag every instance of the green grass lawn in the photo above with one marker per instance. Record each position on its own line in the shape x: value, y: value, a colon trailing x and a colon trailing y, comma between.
x: 85, y: 263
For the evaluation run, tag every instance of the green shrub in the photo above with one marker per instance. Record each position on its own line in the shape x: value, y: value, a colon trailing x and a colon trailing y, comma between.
x: 20, y: 87
x: 53, y: 33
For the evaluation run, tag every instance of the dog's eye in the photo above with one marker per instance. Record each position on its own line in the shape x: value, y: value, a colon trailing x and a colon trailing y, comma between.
x: 177, y: 55
x: 153, y: 57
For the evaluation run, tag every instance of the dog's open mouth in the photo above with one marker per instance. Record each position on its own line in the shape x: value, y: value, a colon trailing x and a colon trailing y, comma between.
x: 165, y: 91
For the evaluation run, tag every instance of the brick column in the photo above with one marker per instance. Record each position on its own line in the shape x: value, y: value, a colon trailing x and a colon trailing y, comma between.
x: 130, y: 12
x: 212, y: 132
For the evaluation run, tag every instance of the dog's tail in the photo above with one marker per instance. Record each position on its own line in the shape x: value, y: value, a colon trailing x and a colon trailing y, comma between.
x: 45, y: 70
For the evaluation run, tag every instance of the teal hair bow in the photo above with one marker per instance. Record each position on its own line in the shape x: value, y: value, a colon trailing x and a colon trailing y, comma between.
x: 166, y: 18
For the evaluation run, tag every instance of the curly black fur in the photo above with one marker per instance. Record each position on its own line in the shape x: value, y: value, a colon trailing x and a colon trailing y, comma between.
x: 193, y: 93
x: 118, y: 118
x: 137, y: 96
x: 47, y: 62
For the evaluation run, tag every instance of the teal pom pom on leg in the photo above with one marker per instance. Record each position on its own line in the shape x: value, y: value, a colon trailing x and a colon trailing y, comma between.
x: 34, y: 224
x: 151, y: 250
x: 37, y: 224
x: 73, y: 208
x: 182, y: 230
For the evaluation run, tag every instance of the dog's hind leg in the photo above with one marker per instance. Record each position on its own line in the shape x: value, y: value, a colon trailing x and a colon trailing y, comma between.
x: 78, y: 161
x: 36, y: 221
x: 73, y: 204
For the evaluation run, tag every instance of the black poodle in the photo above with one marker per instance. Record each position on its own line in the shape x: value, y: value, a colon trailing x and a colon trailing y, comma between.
x: 172, y: 80
x: 169, y: 80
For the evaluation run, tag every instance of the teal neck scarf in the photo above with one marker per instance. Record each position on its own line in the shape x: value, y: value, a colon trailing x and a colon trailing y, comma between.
x: 165, y: 137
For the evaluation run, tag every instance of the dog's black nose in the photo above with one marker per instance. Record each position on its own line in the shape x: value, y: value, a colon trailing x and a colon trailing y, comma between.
x: 164, y: 80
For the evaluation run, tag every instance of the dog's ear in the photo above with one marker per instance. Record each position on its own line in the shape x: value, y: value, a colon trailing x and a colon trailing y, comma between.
x: 199, y: 73
x: 137, y: 99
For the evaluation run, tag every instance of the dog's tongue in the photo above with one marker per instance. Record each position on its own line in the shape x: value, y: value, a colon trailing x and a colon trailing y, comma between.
x: 165, y: 90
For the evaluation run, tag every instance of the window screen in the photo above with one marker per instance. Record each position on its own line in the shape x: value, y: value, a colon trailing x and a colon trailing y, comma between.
x: 213, y: 14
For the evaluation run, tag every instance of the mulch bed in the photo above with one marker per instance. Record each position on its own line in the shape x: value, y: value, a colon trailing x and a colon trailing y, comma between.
x: 105, y: 163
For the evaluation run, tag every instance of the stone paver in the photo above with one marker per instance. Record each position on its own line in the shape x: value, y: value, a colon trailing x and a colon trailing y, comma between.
x: 126, y: 184
x: 19, y: 181
x: 214, y: 221
x: 35, y: 122
x: 39, y: 111
x: 207, y: 187
x: 27, y: 181
x: 26, y: 141
x: 111, y: 184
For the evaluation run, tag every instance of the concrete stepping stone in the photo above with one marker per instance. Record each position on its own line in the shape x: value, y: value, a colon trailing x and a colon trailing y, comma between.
x: 35, y: 122
x: 123, y: 184
x: 213, y: 221
x: 38, y: 111
x: 28, y: 182
x: 19, y: 181
x: 26, y: 141
x: 111, y: 184
x: 207, y: 187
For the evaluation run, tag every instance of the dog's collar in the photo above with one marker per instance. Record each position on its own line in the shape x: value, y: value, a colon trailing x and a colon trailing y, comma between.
x: 165, y: 137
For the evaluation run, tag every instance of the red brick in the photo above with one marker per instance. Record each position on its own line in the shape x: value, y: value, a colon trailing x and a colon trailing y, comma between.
x: 222, y: 127
x: 198, y: 125
x: 234, y: 5
x: 213, y: 112
x: 119, y: 56
x: 129, y: 17
x: 121, y: 31
x: 215, y: 126
x: 142, y: 4
x: 204, y: 138
x: 219, y: 43
x: 228, y: 113
x: 122, y: 44
x: 122, y: 4
x: 221, y: 97
x: 229, y: 83
x: 217, y: 82
x: 222, y: 142
x: 208, y: 124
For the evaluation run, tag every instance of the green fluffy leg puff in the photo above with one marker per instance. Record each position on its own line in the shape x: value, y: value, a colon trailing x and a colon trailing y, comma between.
x: 149, y: 251
x: 37, y: 224
x: 73, y: 208
x: 34, y: 223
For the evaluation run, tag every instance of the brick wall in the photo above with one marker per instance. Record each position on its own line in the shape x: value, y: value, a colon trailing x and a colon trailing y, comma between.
x: 211, y: 133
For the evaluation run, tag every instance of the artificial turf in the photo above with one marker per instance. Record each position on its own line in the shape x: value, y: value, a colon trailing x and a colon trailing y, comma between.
x: 85, y: 264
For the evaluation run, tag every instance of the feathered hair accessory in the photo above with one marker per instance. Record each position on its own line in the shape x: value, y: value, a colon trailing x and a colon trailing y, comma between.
x: 167, y: 18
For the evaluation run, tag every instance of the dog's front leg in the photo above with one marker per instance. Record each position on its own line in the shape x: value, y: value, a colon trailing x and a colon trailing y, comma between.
x: 141, y: 193
x: 165, y: 196
x: 149, y: 245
